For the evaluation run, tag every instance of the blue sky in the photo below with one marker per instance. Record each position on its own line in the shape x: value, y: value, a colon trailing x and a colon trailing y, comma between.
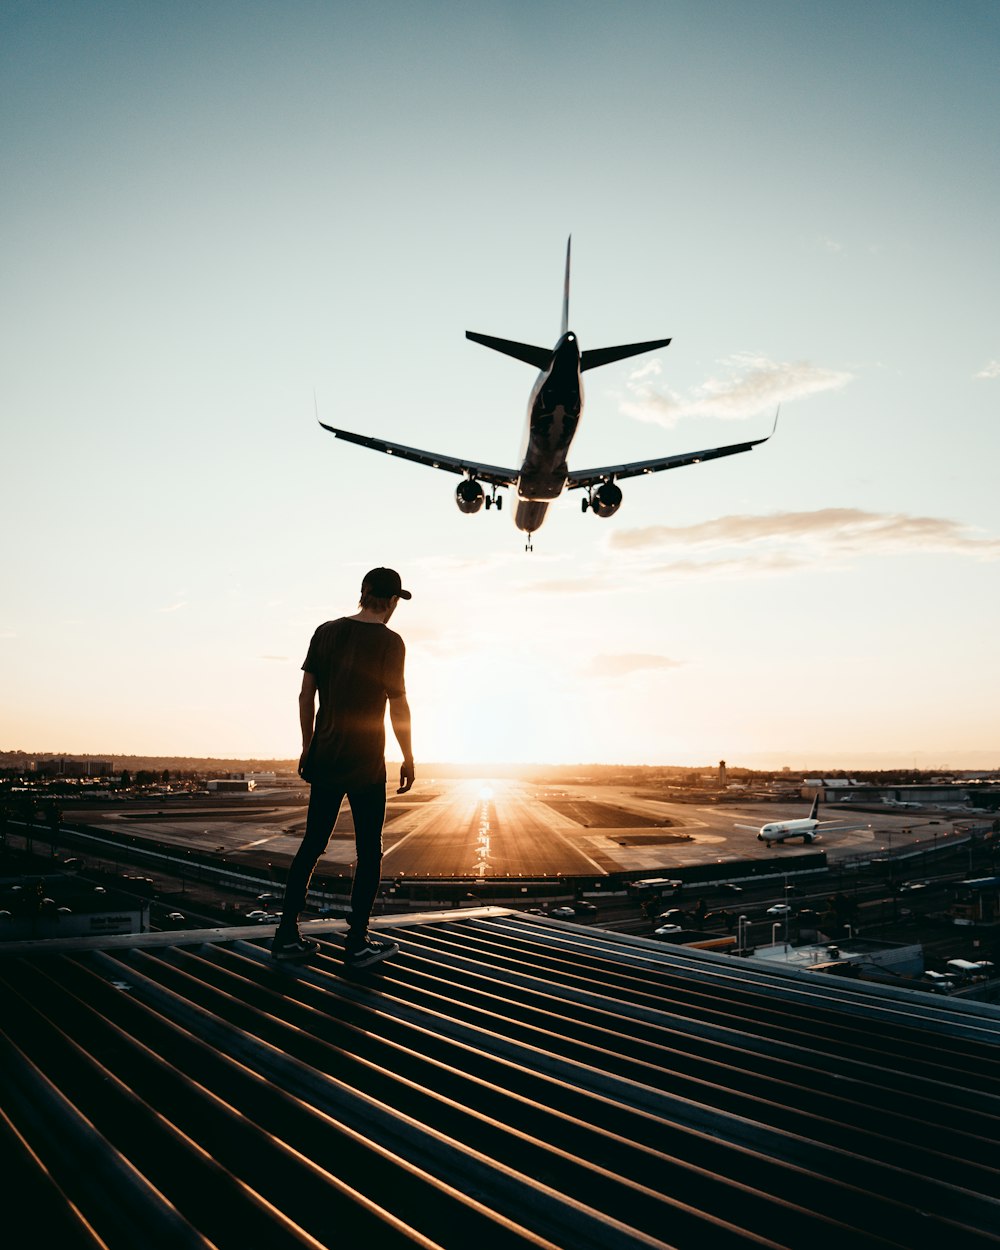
x: 212, y: 211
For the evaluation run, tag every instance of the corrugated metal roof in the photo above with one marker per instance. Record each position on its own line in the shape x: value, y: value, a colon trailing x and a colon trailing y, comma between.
x: 504, y: 1081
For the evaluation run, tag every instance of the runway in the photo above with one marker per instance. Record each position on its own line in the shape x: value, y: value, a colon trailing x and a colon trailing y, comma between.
x: 505, y: 828
x: 486, y: 828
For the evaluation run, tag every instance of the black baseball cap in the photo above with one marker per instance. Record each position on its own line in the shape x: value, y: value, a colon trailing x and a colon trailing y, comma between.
x: 384, y: 584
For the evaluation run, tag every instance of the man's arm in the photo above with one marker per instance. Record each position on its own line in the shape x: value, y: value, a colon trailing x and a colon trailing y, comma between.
x: 399, y: 714
x: 307, y: 715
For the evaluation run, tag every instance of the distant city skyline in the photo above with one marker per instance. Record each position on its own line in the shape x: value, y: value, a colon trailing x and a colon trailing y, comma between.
x: 207, y: 219
x: 983, y: 762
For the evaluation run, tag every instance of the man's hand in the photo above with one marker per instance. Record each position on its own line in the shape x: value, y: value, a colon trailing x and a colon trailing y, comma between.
x: 302, y: 763
x: 407, y: 776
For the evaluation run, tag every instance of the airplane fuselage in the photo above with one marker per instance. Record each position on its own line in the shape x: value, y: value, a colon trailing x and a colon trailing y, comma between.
x: 779, y: 830
x: 554, y: 409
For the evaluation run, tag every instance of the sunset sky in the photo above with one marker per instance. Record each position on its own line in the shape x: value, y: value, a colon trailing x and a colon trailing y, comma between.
x: 213, y: 210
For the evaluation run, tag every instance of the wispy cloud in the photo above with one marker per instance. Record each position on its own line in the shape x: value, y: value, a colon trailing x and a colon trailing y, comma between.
x: 751, y: 564
x: 433, y: 642
x: 992, y: 370
x: 623, y: 664
x: 830, y: 245
x: 173, y: 607
x: 444, y: 566
x: 747, y: 385
x: 781, y: 541
x: 564, y: 586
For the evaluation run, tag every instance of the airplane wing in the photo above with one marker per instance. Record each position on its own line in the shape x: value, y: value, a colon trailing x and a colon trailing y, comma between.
x: 611, y: 472
x: 748, y: 828
x: 490, y: 473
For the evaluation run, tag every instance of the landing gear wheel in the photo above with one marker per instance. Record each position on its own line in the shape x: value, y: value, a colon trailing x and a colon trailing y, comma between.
x: 584, y: 505
x: 499, y: 502
x: 489, y: 503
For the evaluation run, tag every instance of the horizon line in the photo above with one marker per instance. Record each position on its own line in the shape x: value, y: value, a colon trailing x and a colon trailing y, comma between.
x: 290, y: 762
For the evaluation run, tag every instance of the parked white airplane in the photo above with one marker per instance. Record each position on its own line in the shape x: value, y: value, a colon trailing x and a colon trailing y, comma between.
x: 805, y: 828
x: 554, y: 409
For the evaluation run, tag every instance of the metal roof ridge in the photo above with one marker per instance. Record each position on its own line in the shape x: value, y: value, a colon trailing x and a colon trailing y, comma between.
x: 223, y: 933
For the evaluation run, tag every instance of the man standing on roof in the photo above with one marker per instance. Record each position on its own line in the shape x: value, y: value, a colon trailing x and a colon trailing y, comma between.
x: 354, y: 664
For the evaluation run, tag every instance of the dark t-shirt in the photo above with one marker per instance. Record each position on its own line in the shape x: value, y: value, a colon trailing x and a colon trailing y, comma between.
x: 357, y: 666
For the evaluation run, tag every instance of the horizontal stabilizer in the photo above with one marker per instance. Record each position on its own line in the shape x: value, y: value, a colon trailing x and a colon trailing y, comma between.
x: 608, y: 355
x: 540, y: 357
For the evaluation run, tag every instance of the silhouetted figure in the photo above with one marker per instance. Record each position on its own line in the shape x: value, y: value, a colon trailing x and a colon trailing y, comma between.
x: 354, y: 664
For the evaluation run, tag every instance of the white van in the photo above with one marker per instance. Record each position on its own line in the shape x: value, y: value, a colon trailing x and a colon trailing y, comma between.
x: 966, y: 970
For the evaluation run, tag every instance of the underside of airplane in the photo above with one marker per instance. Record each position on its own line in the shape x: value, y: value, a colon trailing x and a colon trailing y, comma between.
x: 554, y: 409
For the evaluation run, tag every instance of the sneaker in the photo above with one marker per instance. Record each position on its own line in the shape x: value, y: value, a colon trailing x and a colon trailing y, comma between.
x: 367, y: 950
x: 294, y: 948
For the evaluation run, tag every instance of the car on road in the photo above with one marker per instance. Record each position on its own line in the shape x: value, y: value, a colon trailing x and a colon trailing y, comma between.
x: 780, y: 909
x: 175, y: 917
x: 668, y: 930
x: 257, y: 914
x: 584, y: 908
x: 562, y: 913
x: 672, y: 915
x: 653, y: 885
x: 727, y: 887
x: 937, y: 982
x: 906, y: 887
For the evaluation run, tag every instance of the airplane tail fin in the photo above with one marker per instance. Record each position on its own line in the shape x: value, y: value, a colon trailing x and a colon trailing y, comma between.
x: 540, y: 357
x: 565, y: 319
x: 815, y: 808
x: 608, y: 355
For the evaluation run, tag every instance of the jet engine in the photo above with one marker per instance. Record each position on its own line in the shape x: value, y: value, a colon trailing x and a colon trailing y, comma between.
x: 606, y: 500
x: 469, y: 495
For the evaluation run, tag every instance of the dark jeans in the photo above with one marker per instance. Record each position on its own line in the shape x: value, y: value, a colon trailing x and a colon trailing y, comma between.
x: 368, y: 809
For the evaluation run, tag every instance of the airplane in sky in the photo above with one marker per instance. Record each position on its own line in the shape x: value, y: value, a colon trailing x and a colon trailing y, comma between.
x: 554, y: 409
x: 805, y: 828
